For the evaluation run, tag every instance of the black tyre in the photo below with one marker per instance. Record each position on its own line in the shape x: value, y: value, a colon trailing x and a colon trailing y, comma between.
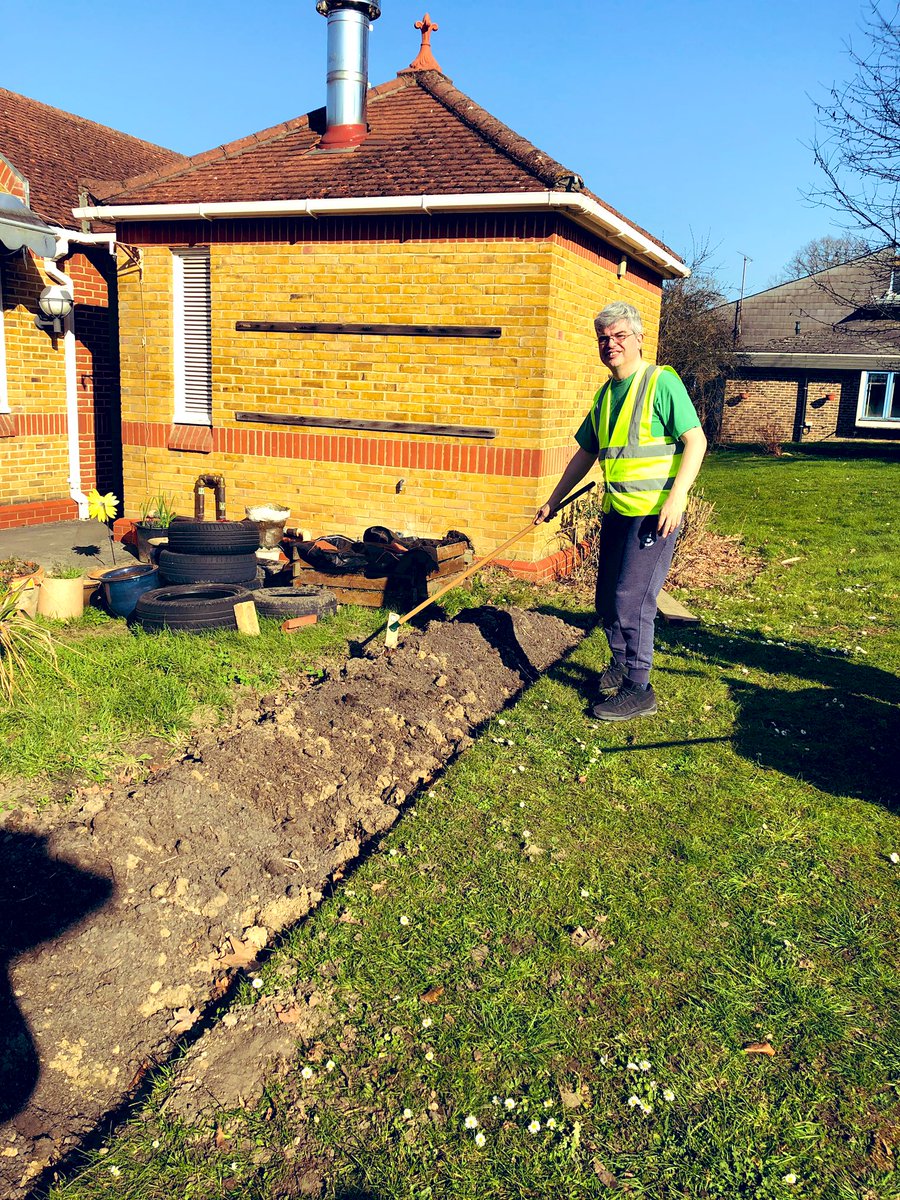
x: 284, y: 602
x: 191, y: 607
x: 213, y: 537
x: 207, y: 568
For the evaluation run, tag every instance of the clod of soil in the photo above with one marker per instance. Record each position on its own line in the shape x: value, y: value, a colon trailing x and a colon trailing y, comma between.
x: 123, y: 919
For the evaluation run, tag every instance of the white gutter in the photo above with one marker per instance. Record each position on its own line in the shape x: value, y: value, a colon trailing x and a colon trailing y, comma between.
x: 62, y: 249
x: 65, y: 236
x: 580, y: 208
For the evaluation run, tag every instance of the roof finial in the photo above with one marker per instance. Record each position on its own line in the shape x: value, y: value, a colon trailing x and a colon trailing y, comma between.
x: 425, y: 60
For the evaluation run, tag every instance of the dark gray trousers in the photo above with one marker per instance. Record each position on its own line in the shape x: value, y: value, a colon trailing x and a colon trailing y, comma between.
x: 631, y: 573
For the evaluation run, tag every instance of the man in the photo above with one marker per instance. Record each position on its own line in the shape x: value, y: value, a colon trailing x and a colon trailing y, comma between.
x: 646, y: 433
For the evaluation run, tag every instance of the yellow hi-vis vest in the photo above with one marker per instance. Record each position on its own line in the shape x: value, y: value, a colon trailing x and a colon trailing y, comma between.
x: 639, y: 468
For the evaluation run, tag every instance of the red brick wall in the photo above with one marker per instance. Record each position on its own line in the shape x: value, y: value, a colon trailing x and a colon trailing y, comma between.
x: 34, y: 456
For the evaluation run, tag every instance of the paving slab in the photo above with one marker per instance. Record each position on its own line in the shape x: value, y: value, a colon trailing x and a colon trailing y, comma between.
x: 70, y: 543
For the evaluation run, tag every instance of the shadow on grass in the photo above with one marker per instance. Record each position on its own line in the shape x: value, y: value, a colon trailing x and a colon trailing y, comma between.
x: 40, y: 897
x: 838, y: 734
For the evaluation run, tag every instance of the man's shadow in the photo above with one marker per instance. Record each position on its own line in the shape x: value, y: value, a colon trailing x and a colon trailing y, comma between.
x: 838, y: 734
x: 40, y: 898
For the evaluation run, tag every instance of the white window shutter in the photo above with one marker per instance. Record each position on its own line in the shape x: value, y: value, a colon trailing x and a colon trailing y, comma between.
x: 193, y: 337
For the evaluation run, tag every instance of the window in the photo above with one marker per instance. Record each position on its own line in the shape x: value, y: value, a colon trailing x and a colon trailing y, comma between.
x: 192, y: 337
x: 879, y: 398
x: 4, y: 387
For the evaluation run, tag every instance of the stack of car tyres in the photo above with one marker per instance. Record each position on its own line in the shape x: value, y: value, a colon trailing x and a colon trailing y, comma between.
x: 210, y: 552
x: 210, y: 566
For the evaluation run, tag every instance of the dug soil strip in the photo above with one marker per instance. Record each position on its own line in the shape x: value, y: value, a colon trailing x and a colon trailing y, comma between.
x: 124, y: 918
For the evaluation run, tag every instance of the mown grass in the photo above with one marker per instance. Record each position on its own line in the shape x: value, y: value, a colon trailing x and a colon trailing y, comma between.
x: 730, y: 860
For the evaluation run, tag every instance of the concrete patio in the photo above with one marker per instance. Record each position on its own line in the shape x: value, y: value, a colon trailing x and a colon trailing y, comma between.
x: 70, y: 543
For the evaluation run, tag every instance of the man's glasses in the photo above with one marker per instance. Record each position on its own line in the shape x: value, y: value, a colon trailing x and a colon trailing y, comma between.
x: 615, y: 339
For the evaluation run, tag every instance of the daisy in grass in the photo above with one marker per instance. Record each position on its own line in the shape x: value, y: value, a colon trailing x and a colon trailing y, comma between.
x: 509, y: 1104
x: 480, y: 1140
x: 307, y: 1072
x: 471, y: 1122
x: 534, y: 1127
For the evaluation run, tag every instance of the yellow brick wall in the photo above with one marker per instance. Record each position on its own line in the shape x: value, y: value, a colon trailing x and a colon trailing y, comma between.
x: 33, y: 465
x: 533, y: 384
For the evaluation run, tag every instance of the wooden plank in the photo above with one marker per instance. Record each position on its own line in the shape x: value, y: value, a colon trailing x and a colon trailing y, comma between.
x: 673, y: 611
x: 471, y: 431
x: 341, y: 327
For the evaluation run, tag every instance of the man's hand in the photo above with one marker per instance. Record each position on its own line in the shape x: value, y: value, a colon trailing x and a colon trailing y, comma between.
x: 671, y: 513
x: 542, y: 514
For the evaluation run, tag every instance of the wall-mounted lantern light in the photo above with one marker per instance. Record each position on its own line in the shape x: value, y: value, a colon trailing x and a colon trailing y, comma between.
x: 55, y: 303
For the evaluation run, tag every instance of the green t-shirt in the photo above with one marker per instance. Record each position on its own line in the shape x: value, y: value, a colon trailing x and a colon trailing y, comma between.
x: 673, y: 411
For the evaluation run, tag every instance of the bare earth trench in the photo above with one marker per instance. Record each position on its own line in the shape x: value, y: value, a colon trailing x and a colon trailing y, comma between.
x: 122, y: 919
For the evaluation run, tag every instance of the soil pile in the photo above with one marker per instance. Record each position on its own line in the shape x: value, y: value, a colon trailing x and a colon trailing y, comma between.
x: 125, y: 918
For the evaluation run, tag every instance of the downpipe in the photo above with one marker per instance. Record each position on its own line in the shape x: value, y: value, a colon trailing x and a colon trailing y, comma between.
x: 71, y: 377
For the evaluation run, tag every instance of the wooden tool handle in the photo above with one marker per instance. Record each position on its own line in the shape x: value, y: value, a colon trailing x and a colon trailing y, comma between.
x: 458, y: 579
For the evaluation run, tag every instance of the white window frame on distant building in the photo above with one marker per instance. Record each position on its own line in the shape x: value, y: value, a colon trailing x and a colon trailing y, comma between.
x: 192, y: 336
x: 4, y: 384
x: 891, y: 400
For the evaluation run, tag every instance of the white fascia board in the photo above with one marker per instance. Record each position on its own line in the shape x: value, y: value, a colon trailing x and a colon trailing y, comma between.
x: 580, y: 208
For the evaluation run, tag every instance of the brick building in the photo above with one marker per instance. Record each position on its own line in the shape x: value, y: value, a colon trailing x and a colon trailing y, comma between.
x: 386, y: 320
x: 820, y: 357
x: 59, y: 388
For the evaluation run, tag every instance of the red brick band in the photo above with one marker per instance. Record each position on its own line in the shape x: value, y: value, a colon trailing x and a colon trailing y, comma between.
x: 40, y: 512
x: 518, y: 463
x: 31, y: 424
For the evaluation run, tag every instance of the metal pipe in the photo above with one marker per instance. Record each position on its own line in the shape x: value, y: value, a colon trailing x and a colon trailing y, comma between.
x: 348, y: 70
x: 217, y: 482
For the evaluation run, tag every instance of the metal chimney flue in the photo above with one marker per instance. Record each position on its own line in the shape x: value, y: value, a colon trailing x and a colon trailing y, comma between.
x: 348, y: 70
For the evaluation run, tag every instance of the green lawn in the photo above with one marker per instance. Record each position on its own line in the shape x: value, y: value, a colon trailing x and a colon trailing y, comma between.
x: 728, y: 865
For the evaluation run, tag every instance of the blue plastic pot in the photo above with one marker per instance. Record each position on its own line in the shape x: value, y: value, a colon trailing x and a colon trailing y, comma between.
x: 123, y: 587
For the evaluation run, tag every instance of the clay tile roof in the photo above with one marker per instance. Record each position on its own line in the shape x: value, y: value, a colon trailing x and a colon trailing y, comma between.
x: 426, y: 137
x: 56, y: 151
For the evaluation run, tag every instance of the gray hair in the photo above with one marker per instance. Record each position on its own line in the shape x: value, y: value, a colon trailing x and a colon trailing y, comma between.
x: 618, y: 310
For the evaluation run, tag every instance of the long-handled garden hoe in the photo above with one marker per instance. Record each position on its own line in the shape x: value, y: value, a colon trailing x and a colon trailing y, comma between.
x: 391, y: 627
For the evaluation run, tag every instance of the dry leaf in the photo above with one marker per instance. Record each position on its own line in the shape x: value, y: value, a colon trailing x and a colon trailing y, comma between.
x: 479, y: 955
x: 288, y: 1016
x: 139, y: 1074
x: 590, y: 940
x: 221, y: 1138
x: 433, y: 994
x: 759, y: 1048
x: 605, y: 1176
x: 378, y: 887
x: 183, y: 1019
x: 347, y: 918
x: 575, y: 1099
x: 242, y: 954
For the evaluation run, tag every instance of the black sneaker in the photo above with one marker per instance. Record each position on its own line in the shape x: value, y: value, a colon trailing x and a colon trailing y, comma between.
x: 612, y: 678
x: 628, y: 702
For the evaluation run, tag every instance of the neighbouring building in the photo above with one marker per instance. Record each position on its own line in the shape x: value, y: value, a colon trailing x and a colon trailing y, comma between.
x: 378, y: 312
x: 820, y: 357
x: 60, y: 429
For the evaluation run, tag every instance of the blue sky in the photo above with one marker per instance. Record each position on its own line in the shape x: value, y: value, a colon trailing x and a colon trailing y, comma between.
x: 691, y: 118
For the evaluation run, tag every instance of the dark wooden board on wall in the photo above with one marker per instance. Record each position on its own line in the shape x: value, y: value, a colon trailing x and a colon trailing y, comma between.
x: 469, y: 431
x: 436, y: 331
